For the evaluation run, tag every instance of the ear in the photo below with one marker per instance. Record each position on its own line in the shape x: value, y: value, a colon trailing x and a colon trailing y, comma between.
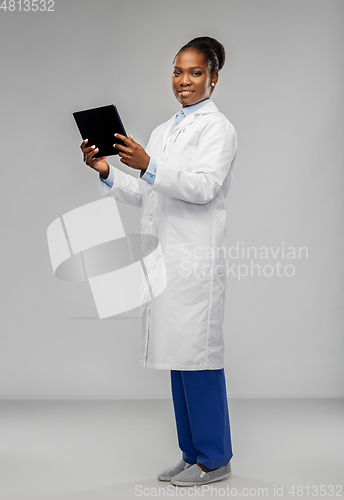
x: 215, y: 78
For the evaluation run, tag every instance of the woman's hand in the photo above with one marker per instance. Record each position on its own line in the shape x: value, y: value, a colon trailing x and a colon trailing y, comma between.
x: 99, y: 164
x: 132, y: 154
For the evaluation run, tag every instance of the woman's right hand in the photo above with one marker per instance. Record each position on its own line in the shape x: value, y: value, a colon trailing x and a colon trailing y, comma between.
x: 99, y: 164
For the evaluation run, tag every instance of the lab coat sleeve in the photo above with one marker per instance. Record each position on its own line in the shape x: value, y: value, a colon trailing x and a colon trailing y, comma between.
x: 214, y: 156
x: 124, y: 187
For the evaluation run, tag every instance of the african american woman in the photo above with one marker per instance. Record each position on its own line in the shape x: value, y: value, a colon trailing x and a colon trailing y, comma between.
x: 185, y: 175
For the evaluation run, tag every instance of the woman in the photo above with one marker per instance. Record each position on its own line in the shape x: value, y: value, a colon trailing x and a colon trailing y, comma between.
x: 185, y: 176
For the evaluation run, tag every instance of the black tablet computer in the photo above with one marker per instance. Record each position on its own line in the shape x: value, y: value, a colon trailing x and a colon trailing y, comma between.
x: 99, y: 125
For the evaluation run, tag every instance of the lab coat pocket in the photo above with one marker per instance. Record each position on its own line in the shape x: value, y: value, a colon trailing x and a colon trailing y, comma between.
x: 181, y: 150
x: 188, y: 248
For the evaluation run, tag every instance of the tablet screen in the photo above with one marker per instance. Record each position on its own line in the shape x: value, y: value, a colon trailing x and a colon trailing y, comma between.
x: 99, y: 125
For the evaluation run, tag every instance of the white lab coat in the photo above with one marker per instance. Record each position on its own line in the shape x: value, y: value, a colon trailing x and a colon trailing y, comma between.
x: 182, y: 328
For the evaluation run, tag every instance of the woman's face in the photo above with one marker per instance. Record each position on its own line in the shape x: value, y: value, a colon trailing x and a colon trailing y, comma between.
x: 191, y: 81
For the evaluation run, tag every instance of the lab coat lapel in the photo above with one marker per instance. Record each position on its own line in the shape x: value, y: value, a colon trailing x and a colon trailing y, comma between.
x: 209, y: 107
x: 167, y: 130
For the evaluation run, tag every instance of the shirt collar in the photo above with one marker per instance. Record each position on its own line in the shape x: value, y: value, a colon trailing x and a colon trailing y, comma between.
x: 190, y: 109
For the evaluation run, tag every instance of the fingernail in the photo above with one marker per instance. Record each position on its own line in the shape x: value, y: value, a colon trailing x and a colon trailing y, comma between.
x: 86, y: 140
x: 115, y: 135
x: 96, y: 149
x: 114, y: 145
x: 93, y: 147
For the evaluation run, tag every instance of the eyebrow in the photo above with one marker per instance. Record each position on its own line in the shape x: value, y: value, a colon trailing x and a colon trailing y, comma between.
x: 193, y: 67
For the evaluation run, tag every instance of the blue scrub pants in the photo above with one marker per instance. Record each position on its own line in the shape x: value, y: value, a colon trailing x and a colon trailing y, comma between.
x: 202, y: 418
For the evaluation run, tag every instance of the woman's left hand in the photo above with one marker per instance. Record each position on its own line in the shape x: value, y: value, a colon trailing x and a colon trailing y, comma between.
x: 132, y: 154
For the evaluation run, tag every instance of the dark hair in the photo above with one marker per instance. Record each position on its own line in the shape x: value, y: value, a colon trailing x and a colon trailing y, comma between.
x: 213, y: 51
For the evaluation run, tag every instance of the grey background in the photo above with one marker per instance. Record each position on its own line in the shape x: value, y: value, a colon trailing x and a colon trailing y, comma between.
x: 281, y: 87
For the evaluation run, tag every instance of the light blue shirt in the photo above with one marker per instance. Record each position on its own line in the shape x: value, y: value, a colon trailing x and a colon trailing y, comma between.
x: 149, y: 174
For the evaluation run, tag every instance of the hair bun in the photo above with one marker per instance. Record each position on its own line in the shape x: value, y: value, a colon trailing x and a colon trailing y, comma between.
x: 210, y: 43
x: 216, y: 46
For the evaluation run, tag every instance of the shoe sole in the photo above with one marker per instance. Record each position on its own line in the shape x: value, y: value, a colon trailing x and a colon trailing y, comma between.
x: 164, y: 478
x: 188, y: 483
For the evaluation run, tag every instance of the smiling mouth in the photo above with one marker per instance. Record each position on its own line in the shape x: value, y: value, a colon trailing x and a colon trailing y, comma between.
x: 186, y: 91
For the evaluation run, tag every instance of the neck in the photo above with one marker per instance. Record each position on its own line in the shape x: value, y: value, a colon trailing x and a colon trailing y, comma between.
x: 188, y: 105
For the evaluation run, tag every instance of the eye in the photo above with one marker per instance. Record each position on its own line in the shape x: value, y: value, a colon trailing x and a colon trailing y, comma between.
x: 197, y: 73
x: 174, y: 72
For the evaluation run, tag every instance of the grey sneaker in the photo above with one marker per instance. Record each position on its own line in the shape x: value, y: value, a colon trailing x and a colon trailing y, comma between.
x: 195, y: 476
x: 167, y: 474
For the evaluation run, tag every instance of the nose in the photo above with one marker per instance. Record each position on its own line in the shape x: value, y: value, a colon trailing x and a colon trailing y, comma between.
x: 184, y: 80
